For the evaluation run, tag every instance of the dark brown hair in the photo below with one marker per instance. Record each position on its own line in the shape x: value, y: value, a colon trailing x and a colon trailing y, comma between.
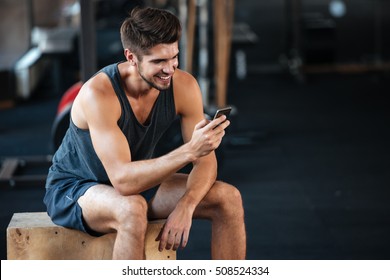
x: 148, y: 27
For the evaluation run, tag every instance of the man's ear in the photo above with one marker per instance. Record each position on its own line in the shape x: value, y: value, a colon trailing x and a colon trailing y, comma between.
x: 130, y: 57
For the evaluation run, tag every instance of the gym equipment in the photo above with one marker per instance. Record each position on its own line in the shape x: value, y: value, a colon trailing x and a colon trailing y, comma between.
x: 33, y: 236
x: 24, y: 171
x: 61, y: 121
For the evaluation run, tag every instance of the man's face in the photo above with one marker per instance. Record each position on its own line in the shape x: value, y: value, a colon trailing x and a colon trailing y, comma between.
x: 159, y: 65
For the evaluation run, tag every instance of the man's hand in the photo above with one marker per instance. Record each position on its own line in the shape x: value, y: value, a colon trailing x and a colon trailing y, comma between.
x: 176, y: 230
x: 207, y: 135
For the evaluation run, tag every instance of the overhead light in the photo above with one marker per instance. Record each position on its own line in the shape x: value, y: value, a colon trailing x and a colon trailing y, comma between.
x: 337, y: 8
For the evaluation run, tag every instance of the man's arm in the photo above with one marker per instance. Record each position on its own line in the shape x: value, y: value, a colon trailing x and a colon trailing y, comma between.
x: 188, y: 100
x: 204, y: 170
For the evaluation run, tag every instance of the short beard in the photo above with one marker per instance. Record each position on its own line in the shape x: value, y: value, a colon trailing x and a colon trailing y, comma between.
x: 151, y: 83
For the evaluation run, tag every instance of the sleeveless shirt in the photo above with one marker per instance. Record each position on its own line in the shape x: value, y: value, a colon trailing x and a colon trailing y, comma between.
x: 76, y: 158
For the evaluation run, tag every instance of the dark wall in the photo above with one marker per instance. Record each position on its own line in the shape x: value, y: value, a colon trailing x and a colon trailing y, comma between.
x: 358, y: 36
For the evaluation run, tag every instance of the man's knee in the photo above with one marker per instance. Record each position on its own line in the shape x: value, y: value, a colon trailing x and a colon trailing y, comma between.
x: 228, y: 198
x: 132, y: 213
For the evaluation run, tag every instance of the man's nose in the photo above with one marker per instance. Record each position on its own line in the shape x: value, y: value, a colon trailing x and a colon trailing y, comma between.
x: 170, y: 67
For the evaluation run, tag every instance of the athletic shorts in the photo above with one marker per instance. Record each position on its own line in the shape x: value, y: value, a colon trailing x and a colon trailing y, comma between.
x: 62, y: 207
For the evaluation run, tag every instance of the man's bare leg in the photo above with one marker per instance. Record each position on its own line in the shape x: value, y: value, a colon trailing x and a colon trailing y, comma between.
x: 222, y: 205
x: 104, y: 210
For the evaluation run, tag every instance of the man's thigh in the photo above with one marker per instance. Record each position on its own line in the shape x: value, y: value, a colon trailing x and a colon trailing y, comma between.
x: 173, y: 189
x: 167, y: 196
x: 98, y: 205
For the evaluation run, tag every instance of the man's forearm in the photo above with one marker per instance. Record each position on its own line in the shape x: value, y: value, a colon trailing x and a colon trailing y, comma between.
x: 200, y: 180
x: 137, y: 176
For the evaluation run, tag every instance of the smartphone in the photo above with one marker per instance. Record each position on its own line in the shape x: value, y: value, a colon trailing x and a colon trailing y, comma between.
x: 223, y: 111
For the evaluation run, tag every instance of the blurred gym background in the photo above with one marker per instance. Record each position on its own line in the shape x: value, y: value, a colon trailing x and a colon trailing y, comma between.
x: 308, y: 80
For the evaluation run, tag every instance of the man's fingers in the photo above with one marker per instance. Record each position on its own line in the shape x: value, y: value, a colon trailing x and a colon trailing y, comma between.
x: 211, y: 124
x: 170, y: 241
x: 158, y: 238
x: 163, y: 239
x: 184, y: 241
x: 201, y: 124
x: 218, y: 121
x: 177, y: 241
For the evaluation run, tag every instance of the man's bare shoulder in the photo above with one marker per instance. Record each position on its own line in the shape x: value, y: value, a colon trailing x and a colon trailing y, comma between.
x: 187, y: 93
x: 97, y: 86
x: 183, y: 78
x: 96, y: 98
x: 97, y: 91
x: 185, y: 85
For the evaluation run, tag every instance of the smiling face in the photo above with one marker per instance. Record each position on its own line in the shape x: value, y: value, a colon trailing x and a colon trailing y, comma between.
x: 157, y: 67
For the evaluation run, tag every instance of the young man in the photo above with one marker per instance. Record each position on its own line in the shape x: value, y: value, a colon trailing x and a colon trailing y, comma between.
x: 104, y: 177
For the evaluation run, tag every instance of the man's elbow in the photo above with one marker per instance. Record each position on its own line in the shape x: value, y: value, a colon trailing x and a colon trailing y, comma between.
x: 122, y: 184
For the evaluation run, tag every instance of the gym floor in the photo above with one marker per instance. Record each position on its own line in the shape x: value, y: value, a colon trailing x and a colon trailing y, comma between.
x: 311, y: 159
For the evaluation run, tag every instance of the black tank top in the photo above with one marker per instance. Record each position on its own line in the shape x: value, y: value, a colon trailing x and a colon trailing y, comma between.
x: 76, y: 156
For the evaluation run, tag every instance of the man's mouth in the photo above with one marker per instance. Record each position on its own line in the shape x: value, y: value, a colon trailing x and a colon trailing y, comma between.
x: 164, y: 78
